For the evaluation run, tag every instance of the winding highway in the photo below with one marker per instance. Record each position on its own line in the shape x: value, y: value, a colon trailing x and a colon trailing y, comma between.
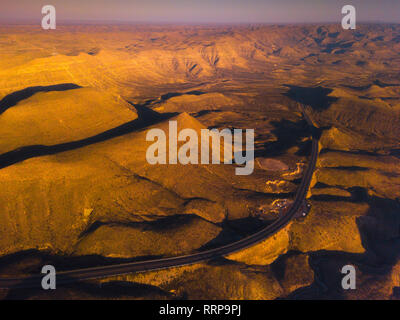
x: 142, y: 266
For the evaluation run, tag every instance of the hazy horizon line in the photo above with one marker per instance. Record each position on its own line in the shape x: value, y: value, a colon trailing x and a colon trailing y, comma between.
x: 126, y: 22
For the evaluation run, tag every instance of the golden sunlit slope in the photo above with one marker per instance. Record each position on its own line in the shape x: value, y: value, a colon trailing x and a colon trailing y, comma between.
x: 377, y: 174
x: 197, y: 102
x: 333, y: 159
x: 50, y: 118
x: 52, y: 200
x: 166, y: 238
x: 365, y: 117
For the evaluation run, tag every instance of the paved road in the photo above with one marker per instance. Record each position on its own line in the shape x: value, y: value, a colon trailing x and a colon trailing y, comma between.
x: 142, y: 266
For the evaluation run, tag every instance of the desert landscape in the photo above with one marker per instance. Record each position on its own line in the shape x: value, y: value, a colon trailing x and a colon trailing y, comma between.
x: 76, y: 190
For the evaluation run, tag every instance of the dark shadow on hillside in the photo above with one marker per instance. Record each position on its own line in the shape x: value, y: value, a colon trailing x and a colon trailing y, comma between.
x: 167, y: 96
x: 338, y: 45
x: 385, y: 85
x: 225, y: 237
x: 329, y: 198
x: 316, y: 97
x: 14, y: 98
x: 357, y: 152
x: 395, y: 153
x: 31, y: 262
x: 148, y: 115
x: 146, y: 118
x: 92, y: 290
x: 245, y: 226
x: 376, y: 82
x: 204, y: 112
x: 288, y: 134
x: 234, y: 230
x: 170, y: 95
x: 379, y: 230
x: 159, y: 225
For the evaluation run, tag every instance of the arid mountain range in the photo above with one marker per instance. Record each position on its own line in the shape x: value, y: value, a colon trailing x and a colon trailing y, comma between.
x: 76, y: 190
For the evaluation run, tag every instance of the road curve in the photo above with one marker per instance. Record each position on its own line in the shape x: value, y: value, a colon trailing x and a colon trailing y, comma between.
x: 142, y: 266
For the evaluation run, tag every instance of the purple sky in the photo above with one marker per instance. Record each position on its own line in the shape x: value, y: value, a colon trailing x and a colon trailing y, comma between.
x: 201, y: 11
